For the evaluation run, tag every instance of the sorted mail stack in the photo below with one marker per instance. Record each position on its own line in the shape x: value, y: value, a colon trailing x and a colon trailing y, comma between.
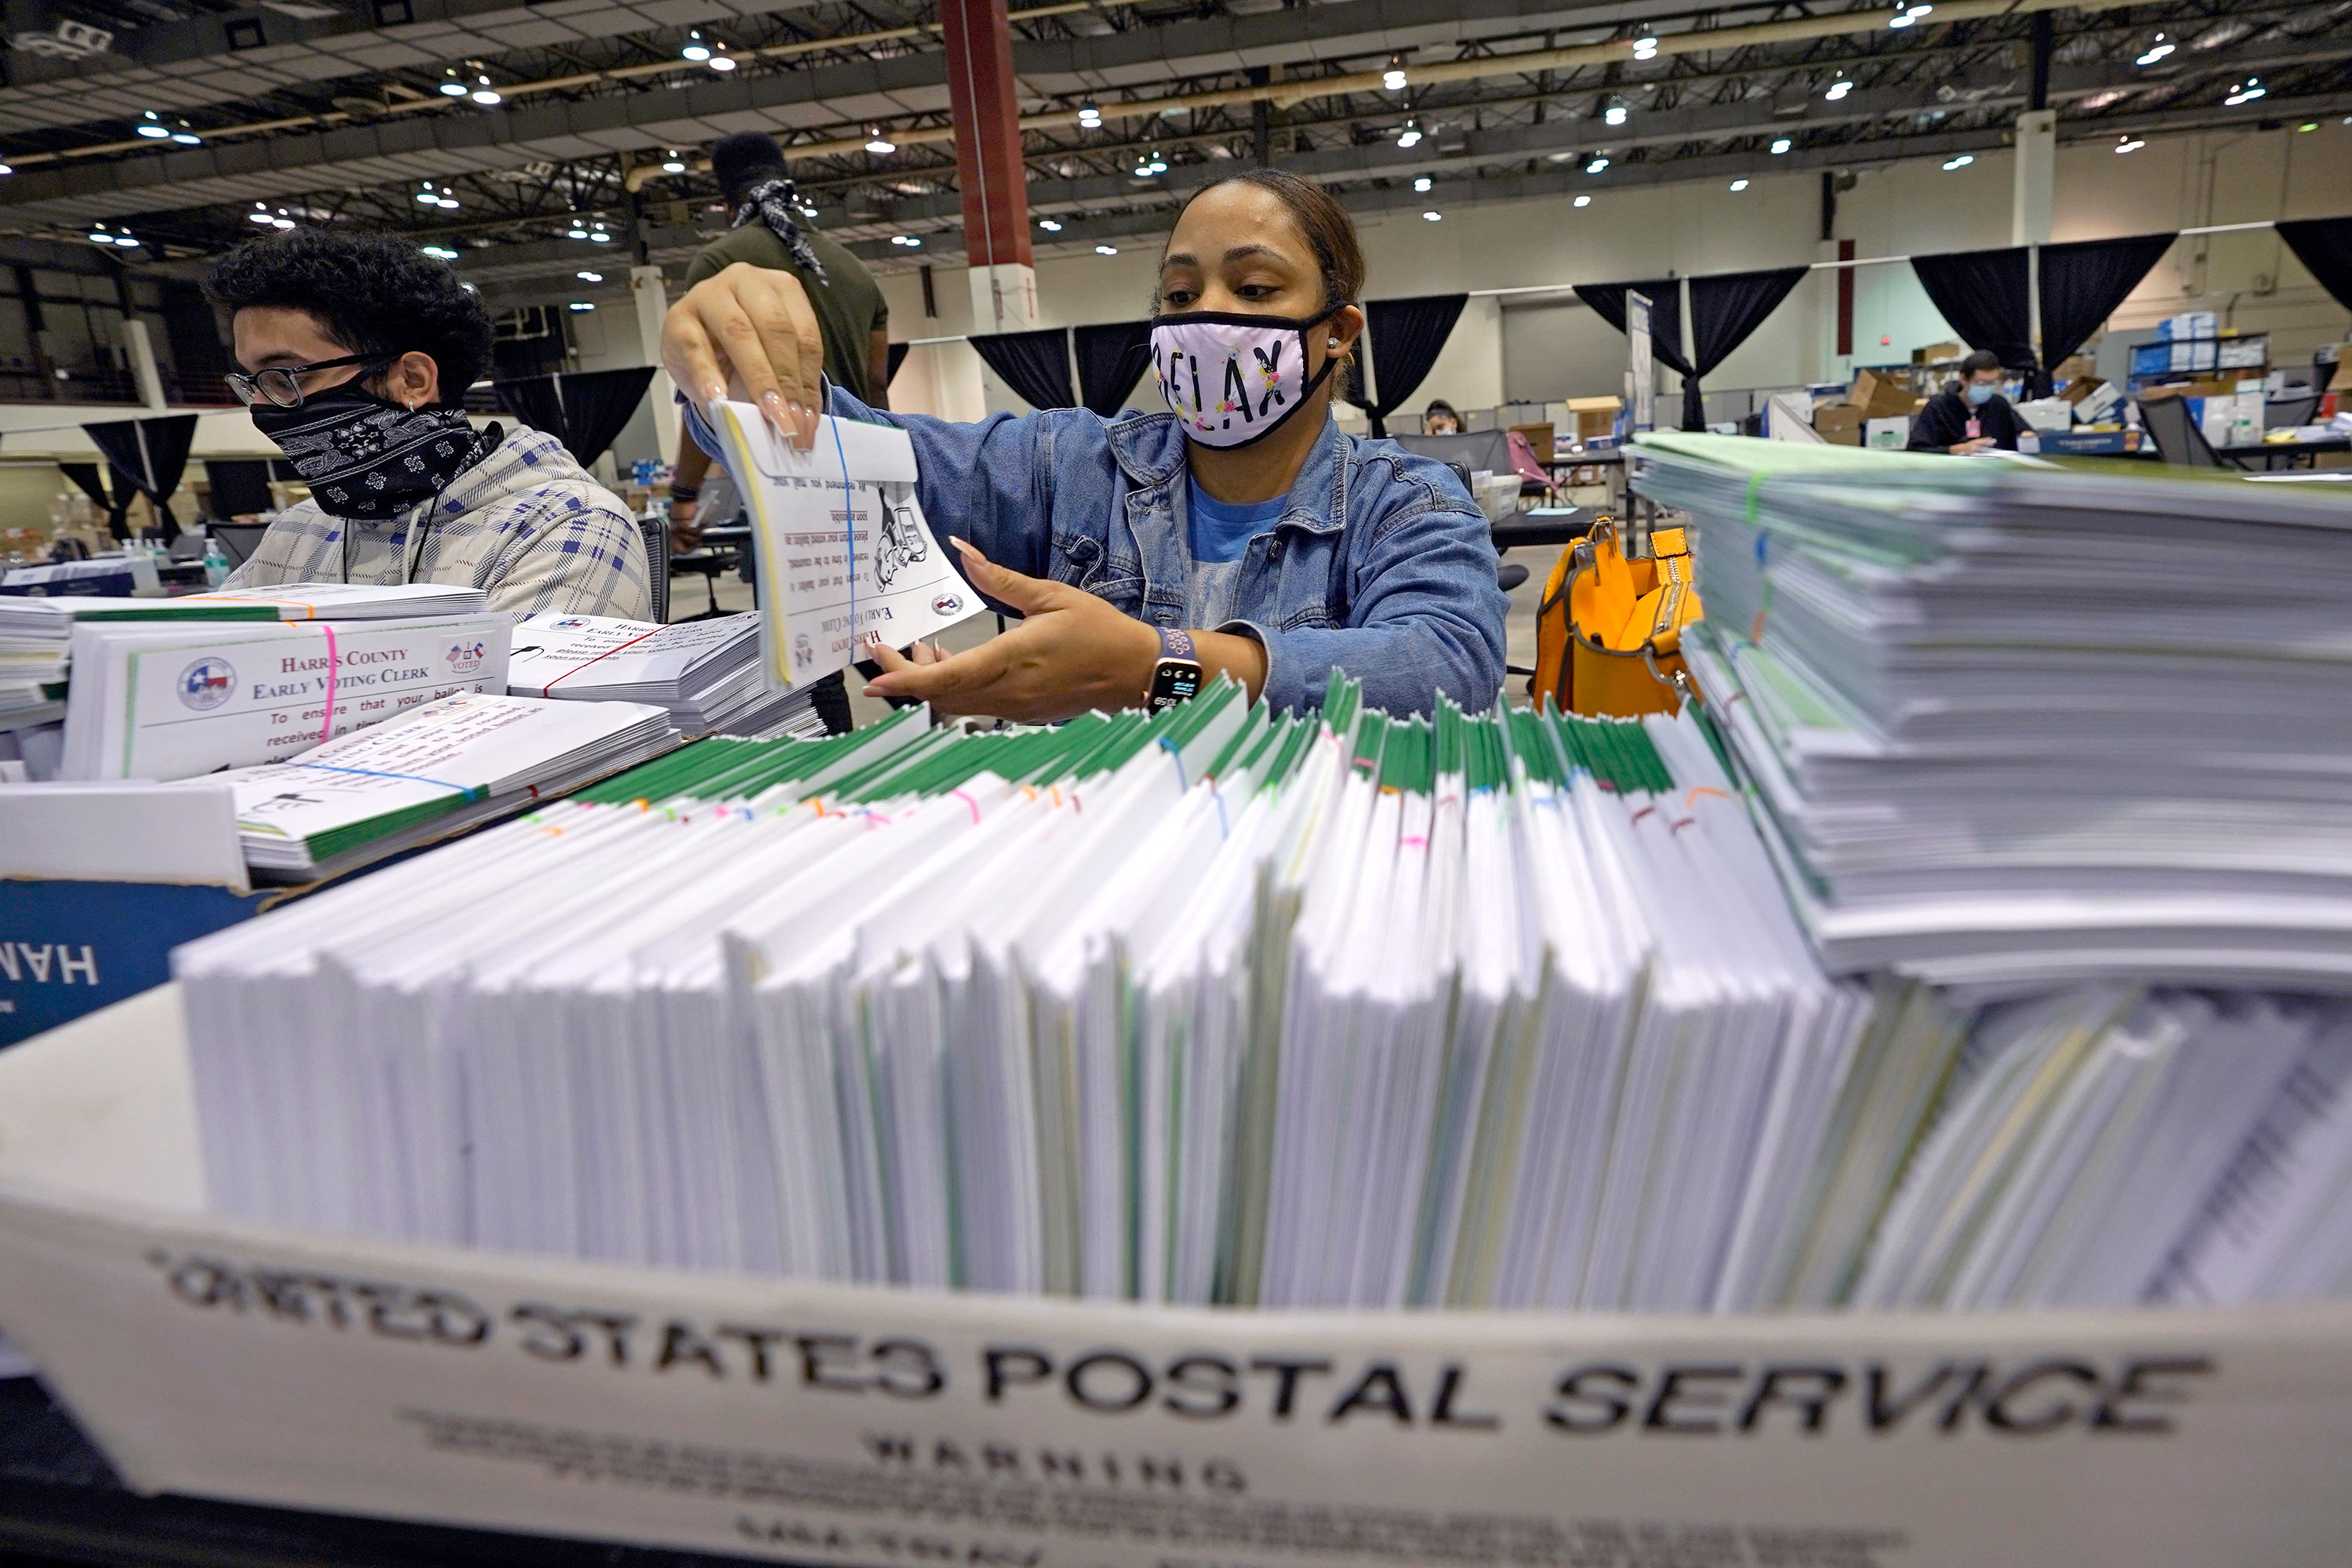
x: 706, y: 673
x: 1212, y: 1007
x: 36, y: 634
x: 2009, y: 724
x: 429, y: 772
x: 171, y: 699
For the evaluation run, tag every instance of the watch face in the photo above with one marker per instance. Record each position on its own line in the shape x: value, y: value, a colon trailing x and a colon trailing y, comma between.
x: 1174, y: 680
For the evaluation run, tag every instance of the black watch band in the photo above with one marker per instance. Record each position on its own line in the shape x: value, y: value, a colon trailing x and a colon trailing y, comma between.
x: 1177, y: 676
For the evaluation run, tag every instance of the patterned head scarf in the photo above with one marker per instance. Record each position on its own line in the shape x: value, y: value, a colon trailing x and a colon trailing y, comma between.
x: 771, y: 201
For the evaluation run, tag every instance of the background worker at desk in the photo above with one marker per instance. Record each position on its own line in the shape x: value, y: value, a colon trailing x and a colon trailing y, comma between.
x: 1971, y: 418
x: 850, y: 312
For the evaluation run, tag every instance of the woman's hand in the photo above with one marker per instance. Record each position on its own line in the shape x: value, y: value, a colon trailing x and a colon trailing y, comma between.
x: 1071, y: 653
x: 749, y: 327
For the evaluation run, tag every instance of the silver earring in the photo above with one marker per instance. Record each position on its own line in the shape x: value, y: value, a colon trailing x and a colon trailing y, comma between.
x: 1331, y: 342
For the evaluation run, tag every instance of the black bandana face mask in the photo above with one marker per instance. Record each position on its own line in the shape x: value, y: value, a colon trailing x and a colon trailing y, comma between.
x: 363, y: 456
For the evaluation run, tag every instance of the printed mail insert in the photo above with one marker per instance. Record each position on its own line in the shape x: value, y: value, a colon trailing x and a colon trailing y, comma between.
x: 842, y: 546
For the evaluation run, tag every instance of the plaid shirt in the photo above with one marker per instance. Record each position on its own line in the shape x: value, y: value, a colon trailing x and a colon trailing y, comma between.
x: 526, y: 522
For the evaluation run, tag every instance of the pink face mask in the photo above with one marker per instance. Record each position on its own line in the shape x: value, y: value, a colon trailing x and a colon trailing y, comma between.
x: 1232, y: 378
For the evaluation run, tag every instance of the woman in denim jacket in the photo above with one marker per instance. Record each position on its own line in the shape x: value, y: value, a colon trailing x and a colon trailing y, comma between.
x: 1244, y: 524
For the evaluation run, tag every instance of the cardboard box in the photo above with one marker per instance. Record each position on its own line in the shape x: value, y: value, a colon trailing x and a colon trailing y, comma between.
x: 1840, y: 424
x: 1936, y: 354
x: 1538, y: 437
x: 1882, y: 396
x: 1595, y: 416
x: 825, y: 1423
x: 1891, y: 434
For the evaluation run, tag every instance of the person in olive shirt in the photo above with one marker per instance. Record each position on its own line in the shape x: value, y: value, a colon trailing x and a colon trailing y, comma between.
x: 852, y: 317
x: 1972, y: 416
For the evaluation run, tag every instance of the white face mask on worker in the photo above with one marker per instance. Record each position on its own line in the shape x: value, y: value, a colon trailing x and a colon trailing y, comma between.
x: 1232, y: 378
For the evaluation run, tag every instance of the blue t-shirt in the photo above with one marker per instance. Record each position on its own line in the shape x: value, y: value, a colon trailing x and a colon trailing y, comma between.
x: 1217, y: 535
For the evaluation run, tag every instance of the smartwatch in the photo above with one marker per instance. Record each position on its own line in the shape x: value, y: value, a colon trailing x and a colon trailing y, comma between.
x: 1177, y: 676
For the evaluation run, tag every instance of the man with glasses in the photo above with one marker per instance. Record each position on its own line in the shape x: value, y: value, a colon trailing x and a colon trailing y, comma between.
x: 354, y: 354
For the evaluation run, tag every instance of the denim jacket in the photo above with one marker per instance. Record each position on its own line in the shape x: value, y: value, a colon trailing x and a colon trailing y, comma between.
x: 1379, y: 564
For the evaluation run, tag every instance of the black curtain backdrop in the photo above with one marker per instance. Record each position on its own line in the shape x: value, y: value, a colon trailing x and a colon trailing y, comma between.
x: 1725, y: 310
x: 238, y: 487
x: 1034, y: 364
x: 890, y: 369
x: 1607, y: 301
x: 1986, y: 298
x: 150, y: 454
x: 86, y: 479
x: 533, y: 400
x: 2324, y: 245
x: 1407, y: 336
x: 1111, y: 360
x: 2082, y: 284
x: 597, y: 404
x: 586, y: 410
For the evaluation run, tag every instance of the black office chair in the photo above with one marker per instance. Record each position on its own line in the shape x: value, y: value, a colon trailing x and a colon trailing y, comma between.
x: 654, y: 529
x: 2287, y: 412
x: 237, y: 539
x: 2177, y: 439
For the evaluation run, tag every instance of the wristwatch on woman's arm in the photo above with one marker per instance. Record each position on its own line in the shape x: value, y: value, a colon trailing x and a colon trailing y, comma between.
x: 1177, y: 675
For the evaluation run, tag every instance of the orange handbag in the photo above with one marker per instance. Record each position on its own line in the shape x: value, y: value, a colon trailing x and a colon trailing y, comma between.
x: 1609, y: 634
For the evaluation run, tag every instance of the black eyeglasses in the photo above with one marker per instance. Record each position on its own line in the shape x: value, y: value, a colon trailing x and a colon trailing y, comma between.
x: 282, y: 384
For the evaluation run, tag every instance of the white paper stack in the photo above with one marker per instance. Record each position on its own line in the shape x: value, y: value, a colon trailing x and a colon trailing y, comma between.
x: 2009, y: 724
x: 706, y: 673
x: 174, y: 698
x: 432, y: 769
x: 1212, y: 1007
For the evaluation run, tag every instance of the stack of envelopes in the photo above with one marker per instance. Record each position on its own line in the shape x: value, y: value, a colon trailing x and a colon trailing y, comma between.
x: 2011, y: 724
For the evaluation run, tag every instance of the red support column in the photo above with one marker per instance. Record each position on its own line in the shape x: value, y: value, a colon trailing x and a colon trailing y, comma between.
x: 988, y: 163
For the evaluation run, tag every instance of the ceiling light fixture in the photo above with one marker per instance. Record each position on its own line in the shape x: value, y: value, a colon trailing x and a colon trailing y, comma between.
x: 2245, y: 92
x: 2308, y: 125
x: 1780, y: 145
x: 1584, y: 201
x: 1837, y: 89
x: 878, y: 144
x: 1393, y: 78
x: 428, y: 197
x: 601, y: 237
x: 259, y: 213
x: 439, y: 252
x: 696, y: 49
x: 1614, y: 112
x: 281, y: 223
x: 1421, y: 181
x: 1410, y: 136
x: 2156, y: 52
x: 722, y: 63
x: 590, y: 277
x: 1646, y: 48
x: 5, y: 170
x: 453, y: 88
x: 1595, y: 166
x: 582, y: 305
x: 2130, y: 144
x: 1962, y: 161
x: 1106, y: 251
x: 576, y: 233
x: 1051, y: 226
x: 673, y: 164
x: 1433, y: 217
x: 486, y: 95
x: 1738, y: 185
x: 1089, y: 117
x: 151, y: 126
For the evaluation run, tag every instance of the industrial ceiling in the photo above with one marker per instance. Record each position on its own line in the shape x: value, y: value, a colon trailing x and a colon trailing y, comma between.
x: 558, y: 135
